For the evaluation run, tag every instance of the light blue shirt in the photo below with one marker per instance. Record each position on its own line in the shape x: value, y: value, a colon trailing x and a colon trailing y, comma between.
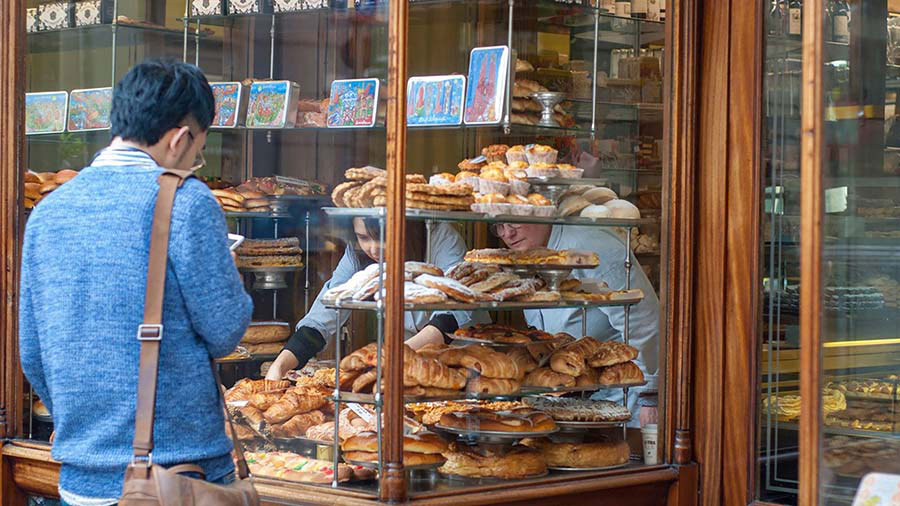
x: 447, y: 249
x: 607, y: 323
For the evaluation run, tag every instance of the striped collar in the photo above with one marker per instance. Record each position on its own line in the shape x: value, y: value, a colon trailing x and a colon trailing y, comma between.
x: 123, y: 156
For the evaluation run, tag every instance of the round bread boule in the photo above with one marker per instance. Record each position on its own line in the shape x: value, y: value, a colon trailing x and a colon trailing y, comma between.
x: 623, y: 209
x: 572, y: 205
x: 596, y: 211
x: 599, y: 195
x: 64, y: 176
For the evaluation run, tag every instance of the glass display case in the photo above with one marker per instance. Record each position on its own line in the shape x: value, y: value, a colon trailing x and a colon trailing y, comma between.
x: 533, y: 219
x: 857, y: 304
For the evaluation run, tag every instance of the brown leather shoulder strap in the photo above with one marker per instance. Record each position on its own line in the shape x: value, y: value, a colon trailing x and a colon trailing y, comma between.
x: 150, y: 333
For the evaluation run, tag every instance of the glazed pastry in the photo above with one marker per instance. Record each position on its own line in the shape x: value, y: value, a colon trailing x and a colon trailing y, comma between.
x: 546, y: 377
x: 612, y: 353
x: 621, y: 374
x: 493, y: 386
x: 572, y: 358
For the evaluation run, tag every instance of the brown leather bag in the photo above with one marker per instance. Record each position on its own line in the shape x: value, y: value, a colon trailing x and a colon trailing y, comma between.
x: 148, y: 484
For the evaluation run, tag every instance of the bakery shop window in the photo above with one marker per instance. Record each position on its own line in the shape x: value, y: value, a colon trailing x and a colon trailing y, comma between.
x: 860, y: 270
x: 532, y: 314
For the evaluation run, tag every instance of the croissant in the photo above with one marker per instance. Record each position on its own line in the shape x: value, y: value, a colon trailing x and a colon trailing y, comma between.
x: 522, y: 359
x: 491, y: 364
x: 453, y: 356
x: 364, y: 382
x: 264, y: 400
x: 244, y: 388
x: 432, y: 350
x: 297, y: 425
x: 572, y: 358
x: 493, y: 386
x: 589, y: 377
x: 360, y: 359
x: 429, y: 372
x: 253, y: 417
x: 612, y: 353
x: 546, y: 377
x: 295, y: 401
x: 621, y: 374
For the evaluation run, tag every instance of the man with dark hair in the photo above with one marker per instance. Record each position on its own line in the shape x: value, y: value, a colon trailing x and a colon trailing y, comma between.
x: 84, y: 264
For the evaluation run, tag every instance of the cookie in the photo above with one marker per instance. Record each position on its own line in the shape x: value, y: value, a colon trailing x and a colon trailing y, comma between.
x: 364, y: 173
x: 450, y: 287
x: 453, y: 189
x: 337, y: 196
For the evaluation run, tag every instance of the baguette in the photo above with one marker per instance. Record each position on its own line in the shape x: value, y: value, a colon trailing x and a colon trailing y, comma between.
x: 259, y: 333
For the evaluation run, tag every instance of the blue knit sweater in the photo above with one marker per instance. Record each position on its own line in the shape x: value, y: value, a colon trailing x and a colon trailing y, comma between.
x: 84, y: 264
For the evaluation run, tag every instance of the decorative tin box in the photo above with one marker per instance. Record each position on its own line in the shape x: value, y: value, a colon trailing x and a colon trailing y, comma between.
x: 488, y: 72
x: 45, y: 112
x: 353, y: 103
x: 55, y: 15
x: 231, y: 104
x: 273, y: 104
x: 208, y: 7
x: 435, y: 100
x: 93, y: 12
x: 298, y: 5
x: 249, y: 6
x: 89, y: 109
x: 31, y: 19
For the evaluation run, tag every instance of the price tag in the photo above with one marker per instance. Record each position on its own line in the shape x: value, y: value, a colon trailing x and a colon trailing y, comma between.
x: 361, y: 411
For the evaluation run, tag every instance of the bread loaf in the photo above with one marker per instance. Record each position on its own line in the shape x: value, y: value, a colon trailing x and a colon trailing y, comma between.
x: 259, y: 333
x: 264, y: 348
x: 360, y: 359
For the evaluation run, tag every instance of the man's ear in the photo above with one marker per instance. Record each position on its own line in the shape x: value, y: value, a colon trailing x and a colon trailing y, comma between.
x: 180, y: 134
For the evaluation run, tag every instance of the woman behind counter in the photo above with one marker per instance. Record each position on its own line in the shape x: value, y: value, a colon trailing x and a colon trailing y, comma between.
x: 309, y: 338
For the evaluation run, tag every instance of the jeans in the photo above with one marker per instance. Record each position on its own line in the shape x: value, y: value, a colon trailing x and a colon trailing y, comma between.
x: 225, y: 480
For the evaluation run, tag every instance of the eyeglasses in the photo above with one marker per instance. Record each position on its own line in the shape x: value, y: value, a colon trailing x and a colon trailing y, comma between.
x: 199, y: 160
x: 502, y: 229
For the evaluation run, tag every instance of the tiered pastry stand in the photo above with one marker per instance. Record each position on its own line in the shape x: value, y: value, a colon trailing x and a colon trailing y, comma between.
x: 630, y: 297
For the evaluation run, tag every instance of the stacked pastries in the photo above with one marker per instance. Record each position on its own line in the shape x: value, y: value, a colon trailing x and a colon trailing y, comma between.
x: 367, y: 187
x: 284, y: 252
x: 40, y: 184
x: 589, y: 362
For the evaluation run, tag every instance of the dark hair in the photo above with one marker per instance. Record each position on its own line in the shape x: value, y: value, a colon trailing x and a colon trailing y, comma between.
x: 156, y: 96
x: 415, y: 240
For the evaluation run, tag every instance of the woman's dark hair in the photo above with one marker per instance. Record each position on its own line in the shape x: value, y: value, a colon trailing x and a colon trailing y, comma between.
x: 156, y: 96
x: 415, y: 240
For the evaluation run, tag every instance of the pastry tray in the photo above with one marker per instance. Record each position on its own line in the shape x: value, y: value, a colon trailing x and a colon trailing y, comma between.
x: 426, y: 214
x: 283, y: 268
x: 598, y: 468
x: 495, y: 305
x: 374, y: 465
x: 363, y: 398
x: 525, y: 268
x: 493, y: 434
x: 583, y: 388
x: 497, y: 344
x: 563, y: 424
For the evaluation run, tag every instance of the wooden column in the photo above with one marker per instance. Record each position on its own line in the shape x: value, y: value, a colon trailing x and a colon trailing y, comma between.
x: 682, y: 36
x: 393, y: 483
x: 811, y: 144
x: 12, y: 153
x: 724, y: 251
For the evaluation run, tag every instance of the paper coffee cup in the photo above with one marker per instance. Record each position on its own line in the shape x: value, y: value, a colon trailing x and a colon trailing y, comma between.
x: 649, y: 436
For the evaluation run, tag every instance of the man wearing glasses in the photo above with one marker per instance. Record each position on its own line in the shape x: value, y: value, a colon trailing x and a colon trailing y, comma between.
x: 84, y: 269
x: 603, y: 323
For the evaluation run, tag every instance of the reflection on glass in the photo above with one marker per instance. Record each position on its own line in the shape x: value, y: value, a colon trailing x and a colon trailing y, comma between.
x: 861, y: 264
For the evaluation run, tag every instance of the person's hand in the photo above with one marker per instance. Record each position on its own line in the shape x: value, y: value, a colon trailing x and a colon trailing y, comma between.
x: 648, y: 414
x: 282, y: 364
x: 430, y: 334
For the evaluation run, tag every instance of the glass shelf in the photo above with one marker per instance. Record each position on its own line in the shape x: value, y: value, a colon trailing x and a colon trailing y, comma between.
x: 536, y: 7
x: 461, y: 216
x: 97, y: 36
x: 525, y: 391
x: 80, y: 136
x: 624, y: 300
x: 868, y: 434
x: 515, y: 129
